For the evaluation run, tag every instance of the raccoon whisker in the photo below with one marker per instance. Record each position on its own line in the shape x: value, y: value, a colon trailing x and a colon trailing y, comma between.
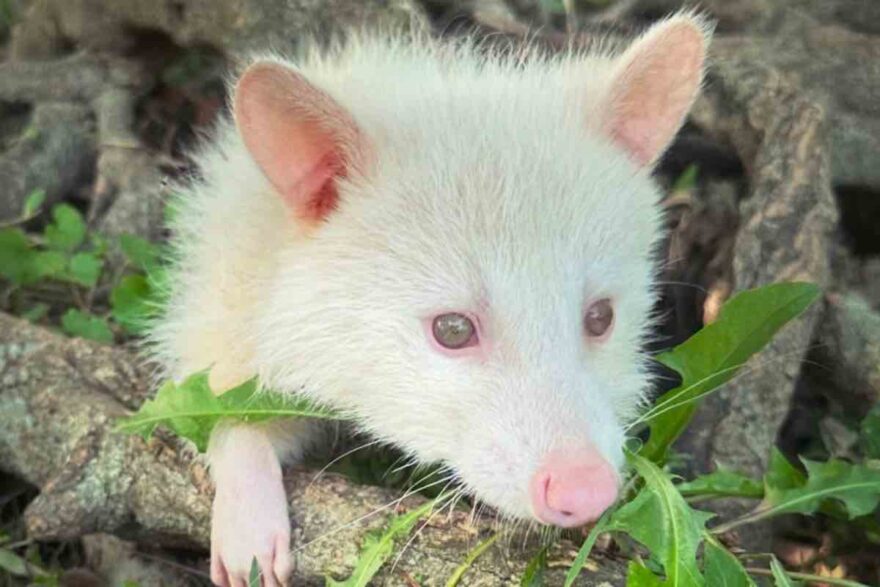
x: 366, y: 516
x: 339, y: 458
x: 695, y: 286
x: 410, y: 462
x: 434, y: 512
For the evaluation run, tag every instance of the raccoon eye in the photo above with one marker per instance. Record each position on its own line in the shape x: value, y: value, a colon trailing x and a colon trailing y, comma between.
x: 454, y: 331
x: 598, y: 318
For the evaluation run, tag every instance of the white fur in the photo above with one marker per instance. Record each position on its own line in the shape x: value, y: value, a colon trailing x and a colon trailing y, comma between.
x: 492, y: 191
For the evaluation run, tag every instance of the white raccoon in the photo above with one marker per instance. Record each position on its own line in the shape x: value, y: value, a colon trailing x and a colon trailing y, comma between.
x: 454, y: 246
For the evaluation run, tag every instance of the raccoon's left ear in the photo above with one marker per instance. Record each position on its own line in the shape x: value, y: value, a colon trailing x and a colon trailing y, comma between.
x: 301, y: 138
x: 654, y: 85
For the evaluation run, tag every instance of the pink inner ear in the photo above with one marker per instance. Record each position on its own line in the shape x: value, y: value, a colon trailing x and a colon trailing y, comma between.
x: 296, y: 133
x: 657, y: 82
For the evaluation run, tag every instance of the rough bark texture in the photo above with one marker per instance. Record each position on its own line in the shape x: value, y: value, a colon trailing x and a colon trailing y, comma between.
x: 850, y: 339
x: 230, y: 25
x: 60, y: 398
x: 55, y: 151
x: 787, y: 223
x: 78, y: 122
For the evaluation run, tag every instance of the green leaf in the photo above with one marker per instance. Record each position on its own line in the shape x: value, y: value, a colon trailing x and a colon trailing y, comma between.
x: 47, y: 264
x: 845, y: 489
x: 98, y: 244
x: 780, y: 578
x: 85, y: 269
x: 721, y: 568
x: 581, y: 559
x: 722, y: 483
x: 661, y: 519
x: 781, y: 474
x: 553, y: 6
x: 12, y: 563
x: 856, y: 486
x: 869, y: 434
x: 469, y: 560
x: 713, y: 355
x: 378, y: 547
x: 33, y: 202
x: 67, y: 231
x: 533, y: 576
x: 132, y: 303
x: 77, y: 323
x: 254, y: 575
x: 638, y: 575
x: 688, y: 178
x: 36, y: 312
x: 191, y: 409
x: 140, y: 252
x: 16, y: 256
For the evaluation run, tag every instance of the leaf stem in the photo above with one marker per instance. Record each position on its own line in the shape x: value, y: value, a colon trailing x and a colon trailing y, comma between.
x: 469, y: 560
x: 753, y: 516
x: 808, y: 577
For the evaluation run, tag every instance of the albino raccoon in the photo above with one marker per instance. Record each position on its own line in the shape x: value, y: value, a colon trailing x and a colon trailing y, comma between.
x: 454, y: 247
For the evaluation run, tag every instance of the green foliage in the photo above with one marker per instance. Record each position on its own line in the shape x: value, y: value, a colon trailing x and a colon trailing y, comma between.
x: 22, y: 264
x: 638, y: 575
x: 713, y: 355
x: 77, y: 323
x: 473, y: 555
x: 781, y: 474
x: 33, y: 203
x: 36, y: 312
x: 780, y: 578
x: 68, y: 229
x: 85, y: 269
x: 132, y: 303
x: 379, y: 546
x: 585, y: 549
x: 869, y: 434
x: 67, y: 261
x: 855, y: 486
x: 553, y: 6
x: 143, y: 254
x: 688, y: 179
x: 13, y: 564
x: 254, y: 574
x: 722, y: 483
x: 533, y: 576
x: 139, y: 297
x: 721, y: 568
x: 660, y: 519
x: 191, y: 409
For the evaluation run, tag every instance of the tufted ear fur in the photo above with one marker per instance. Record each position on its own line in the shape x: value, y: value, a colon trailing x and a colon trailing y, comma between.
x: 300, y: 137
x: 654, y: 85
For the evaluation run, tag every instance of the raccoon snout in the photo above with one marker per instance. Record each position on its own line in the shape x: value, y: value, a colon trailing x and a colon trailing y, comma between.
x: 573, y: 487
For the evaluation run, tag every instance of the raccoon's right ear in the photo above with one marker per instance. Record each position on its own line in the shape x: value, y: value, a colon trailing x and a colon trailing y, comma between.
x: 300, y: 137
x: 654, y: 84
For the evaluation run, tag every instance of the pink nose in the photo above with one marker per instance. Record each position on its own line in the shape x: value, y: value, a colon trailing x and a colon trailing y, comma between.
x: 573, y: 488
